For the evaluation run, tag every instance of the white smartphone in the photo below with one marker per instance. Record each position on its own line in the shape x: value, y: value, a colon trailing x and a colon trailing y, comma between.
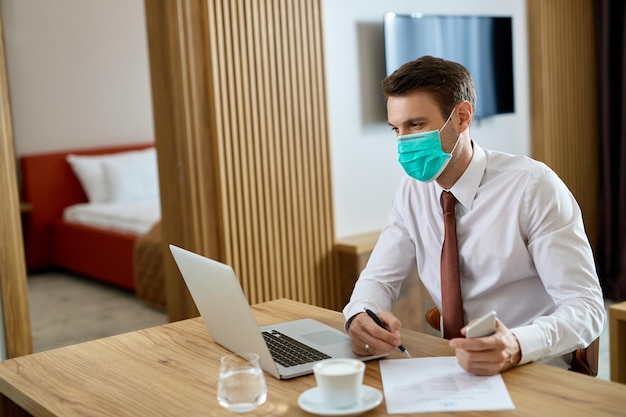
x: 484, y: 326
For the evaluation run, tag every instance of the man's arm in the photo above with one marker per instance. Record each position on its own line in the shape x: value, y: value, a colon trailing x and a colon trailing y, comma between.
x: 391, y: 261
x: 564, y: 262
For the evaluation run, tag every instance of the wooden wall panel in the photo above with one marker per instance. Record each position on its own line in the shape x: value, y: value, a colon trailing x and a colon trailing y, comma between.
x: 564, y: 96
x: 13, y: 282
x: 240, y: 114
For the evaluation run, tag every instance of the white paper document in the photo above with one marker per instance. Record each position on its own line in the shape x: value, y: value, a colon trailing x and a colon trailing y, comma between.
x: 426, y: 385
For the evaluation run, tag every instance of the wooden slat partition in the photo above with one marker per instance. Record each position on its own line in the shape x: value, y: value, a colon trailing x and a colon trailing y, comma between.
x: 275, y: 177
x: 263, y: 140
x: 564, y: 96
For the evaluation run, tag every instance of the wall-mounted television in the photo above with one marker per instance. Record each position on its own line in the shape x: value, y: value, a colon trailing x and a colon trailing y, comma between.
x: 483, y: 44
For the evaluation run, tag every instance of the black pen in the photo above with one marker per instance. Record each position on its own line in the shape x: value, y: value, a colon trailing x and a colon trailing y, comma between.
x: 380, y: 323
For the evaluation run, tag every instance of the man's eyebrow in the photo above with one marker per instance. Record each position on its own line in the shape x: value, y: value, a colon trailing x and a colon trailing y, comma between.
x: 417, y: 119
x: 409, y: 121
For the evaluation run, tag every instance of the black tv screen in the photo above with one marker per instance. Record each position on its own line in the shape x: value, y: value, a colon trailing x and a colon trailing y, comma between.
x: 483, y: 44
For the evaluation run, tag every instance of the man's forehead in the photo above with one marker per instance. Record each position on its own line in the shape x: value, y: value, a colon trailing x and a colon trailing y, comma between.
x: 412, y: 108
x: 415, y: 100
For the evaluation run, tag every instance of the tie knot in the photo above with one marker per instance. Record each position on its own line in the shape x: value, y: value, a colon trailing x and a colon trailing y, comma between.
x: 447, y: 202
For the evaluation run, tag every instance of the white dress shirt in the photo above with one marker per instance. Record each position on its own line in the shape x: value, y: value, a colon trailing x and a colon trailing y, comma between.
x: 523, y: 252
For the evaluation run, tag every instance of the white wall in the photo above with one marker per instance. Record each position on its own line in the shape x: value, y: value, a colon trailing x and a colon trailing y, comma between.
x: 364, y: 158
x: 79, y: 77
x: 78, y: 73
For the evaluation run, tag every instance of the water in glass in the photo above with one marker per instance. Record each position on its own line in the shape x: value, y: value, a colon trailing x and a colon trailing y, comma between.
x: 241, y: 387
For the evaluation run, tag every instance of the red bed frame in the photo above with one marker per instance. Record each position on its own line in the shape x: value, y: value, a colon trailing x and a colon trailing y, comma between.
x: 49, y: 185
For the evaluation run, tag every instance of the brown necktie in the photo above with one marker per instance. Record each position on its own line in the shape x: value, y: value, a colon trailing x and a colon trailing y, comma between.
x: 452, y: 303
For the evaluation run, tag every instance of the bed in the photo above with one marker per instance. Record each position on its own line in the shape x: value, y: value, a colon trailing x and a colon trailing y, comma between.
x: 51, y: 184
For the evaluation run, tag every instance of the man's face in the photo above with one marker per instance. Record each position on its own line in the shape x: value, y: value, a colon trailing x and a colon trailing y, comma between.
x: 418, y: 112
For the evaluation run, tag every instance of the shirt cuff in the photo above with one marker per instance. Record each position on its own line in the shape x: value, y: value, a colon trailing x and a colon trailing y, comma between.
x: 353, y: 309
x: 531, y: 342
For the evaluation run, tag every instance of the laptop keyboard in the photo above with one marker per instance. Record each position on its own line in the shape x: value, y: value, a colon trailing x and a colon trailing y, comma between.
x: 289, y: 352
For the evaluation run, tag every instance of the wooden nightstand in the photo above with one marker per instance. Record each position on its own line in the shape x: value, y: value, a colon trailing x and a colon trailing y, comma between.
x: 414, y: 301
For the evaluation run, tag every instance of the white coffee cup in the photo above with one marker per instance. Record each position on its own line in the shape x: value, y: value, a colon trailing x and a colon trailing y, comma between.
x: 339, y: 381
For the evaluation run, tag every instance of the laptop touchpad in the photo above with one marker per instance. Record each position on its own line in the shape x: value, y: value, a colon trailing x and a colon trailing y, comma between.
x: 325, y: 337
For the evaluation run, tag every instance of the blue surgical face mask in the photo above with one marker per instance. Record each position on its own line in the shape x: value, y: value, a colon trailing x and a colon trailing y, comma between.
x: 421, y: 154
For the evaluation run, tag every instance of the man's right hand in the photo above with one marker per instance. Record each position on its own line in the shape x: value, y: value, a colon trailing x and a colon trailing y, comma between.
x: 368, y: 338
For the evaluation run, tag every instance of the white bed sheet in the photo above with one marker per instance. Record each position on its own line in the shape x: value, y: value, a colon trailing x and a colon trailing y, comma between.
x: 135, y: 217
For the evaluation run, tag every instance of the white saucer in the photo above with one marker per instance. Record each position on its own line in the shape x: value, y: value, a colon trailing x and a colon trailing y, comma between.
x: 311, y: 402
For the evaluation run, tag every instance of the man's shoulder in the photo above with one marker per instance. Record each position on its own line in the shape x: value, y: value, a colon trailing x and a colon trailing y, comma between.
x: 506, y: 162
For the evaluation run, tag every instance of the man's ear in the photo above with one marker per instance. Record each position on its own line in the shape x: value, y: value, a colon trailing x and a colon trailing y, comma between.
x: 466, y: 114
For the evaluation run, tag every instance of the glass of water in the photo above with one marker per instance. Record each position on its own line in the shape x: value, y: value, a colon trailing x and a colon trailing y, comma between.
x: 241, y: 386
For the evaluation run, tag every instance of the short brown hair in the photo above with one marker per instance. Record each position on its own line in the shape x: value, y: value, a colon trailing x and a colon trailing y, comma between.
x: 448, y: 82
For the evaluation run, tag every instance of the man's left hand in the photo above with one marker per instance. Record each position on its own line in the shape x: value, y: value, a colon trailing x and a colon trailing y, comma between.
x: 488, y: 355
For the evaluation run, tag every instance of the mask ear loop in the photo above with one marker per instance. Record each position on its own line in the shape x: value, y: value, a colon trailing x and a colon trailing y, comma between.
x: 448, y: 119
x: 455, y: 144
x: 444, y: 125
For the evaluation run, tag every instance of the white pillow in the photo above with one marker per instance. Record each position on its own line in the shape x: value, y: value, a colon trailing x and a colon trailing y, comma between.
x: 88, y: 169
x: 123, y: 176
x: 132, y: 176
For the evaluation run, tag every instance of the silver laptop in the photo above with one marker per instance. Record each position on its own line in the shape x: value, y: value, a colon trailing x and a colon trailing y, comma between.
x: 230, y: 322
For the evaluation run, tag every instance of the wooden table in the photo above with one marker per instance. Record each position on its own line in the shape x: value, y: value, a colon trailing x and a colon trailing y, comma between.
x: 171, y: 370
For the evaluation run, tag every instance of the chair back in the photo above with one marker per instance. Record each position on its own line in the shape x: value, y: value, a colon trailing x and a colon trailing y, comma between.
x: 585, y: 361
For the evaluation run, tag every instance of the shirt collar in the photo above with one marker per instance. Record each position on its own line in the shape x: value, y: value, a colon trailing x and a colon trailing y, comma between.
x: 465, y: 188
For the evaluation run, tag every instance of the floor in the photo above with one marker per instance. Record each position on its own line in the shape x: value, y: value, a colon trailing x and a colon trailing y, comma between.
x: 66, y: 309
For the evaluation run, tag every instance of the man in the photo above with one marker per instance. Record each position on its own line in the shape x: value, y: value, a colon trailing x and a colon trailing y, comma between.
x: 522, y: 247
